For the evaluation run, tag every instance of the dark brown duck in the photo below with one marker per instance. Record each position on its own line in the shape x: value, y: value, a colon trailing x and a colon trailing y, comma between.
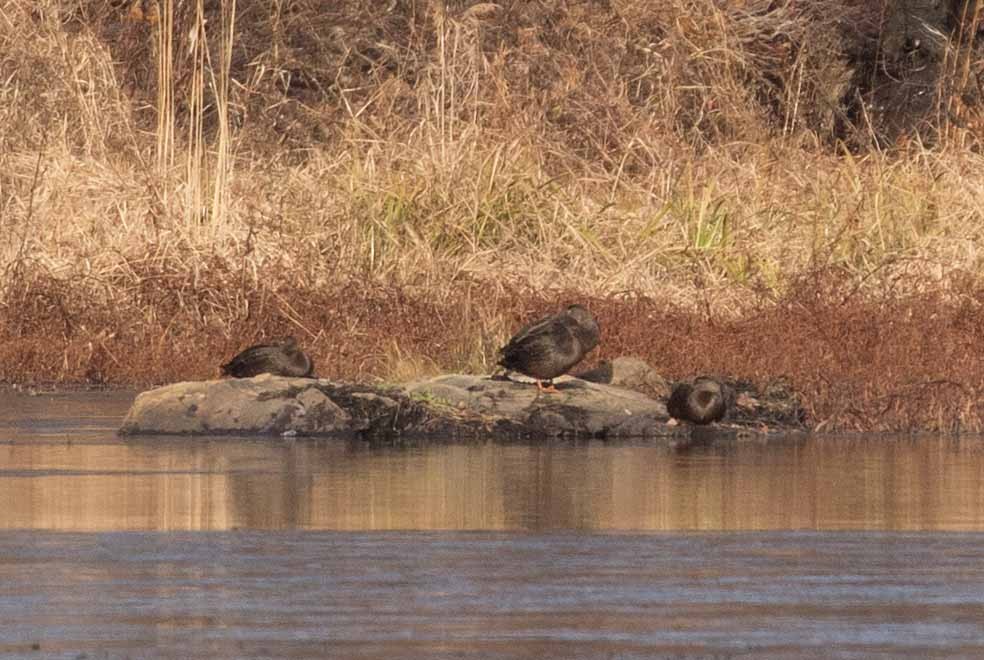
x: 550, y: 346
x: 704, y: 401
x: 279, y: 358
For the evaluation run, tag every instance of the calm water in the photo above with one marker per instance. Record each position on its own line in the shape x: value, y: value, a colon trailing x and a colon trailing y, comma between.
x: 803, y: 548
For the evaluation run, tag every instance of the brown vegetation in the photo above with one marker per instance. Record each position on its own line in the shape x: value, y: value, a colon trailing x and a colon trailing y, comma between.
x: 401, y: 184
x: 889, y: 362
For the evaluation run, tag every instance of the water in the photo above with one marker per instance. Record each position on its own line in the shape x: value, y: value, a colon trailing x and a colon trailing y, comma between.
x: 239, y: 548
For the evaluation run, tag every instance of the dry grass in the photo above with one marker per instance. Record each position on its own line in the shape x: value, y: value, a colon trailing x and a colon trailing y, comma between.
x: 399, y: 184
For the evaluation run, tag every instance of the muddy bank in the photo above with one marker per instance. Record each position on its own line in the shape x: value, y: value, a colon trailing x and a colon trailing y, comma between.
x: 837, y: 68
x: 919, y: 76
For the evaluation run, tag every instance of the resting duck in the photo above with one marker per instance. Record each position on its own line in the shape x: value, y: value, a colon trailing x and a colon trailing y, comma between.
x: 550, y: 346
x: 280, y: 359
x: 706, y: 400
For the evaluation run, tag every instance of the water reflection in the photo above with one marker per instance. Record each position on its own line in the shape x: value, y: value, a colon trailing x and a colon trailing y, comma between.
x: 884, y: 484
x: 499, y: 595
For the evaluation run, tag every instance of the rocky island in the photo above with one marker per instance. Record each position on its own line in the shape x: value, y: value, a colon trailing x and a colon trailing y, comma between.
x: 622, y: 399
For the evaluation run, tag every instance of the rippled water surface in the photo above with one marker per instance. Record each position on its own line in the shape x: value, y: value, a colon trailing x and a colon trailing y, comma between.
x: 226, y: 547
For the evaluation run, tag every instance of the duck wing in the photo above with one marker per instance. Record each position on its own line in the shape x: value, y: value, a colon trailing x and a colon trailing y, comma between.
x: 536, y: 327
x: 254, y: 360
x: 544, y: 349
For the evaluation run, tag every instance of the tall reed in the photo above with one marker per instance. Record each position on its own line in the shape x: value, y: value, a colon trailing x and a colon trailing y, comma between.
x: 223, y: 146
x: 207, y: 167
x: 165, y: 89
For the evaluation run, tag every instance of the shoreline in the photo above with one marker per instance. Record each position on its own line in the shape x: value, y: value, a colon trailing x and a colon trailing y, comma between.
x: 901, y: 364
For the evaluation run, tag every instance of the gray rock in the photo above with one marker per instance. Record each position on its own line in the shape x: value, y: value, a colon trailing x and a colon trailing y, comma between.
x: 631, y: 373
x: 265, y: 404
x: 450, y: 406
x: 581, y: 408
x: 446, y: 406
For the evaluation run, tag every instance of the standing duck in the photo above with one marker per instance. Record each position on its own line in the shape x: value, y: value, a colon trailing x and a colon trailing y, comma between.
x: 280, y: 359
x: 706, y: 400
x: 550, y: 346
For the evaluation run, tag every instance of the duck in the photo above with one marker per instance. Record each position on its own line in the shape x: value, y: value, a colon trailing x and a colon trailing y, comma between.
x: 550, y: 346
x: 704, y: 401
x: 282, y: 358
